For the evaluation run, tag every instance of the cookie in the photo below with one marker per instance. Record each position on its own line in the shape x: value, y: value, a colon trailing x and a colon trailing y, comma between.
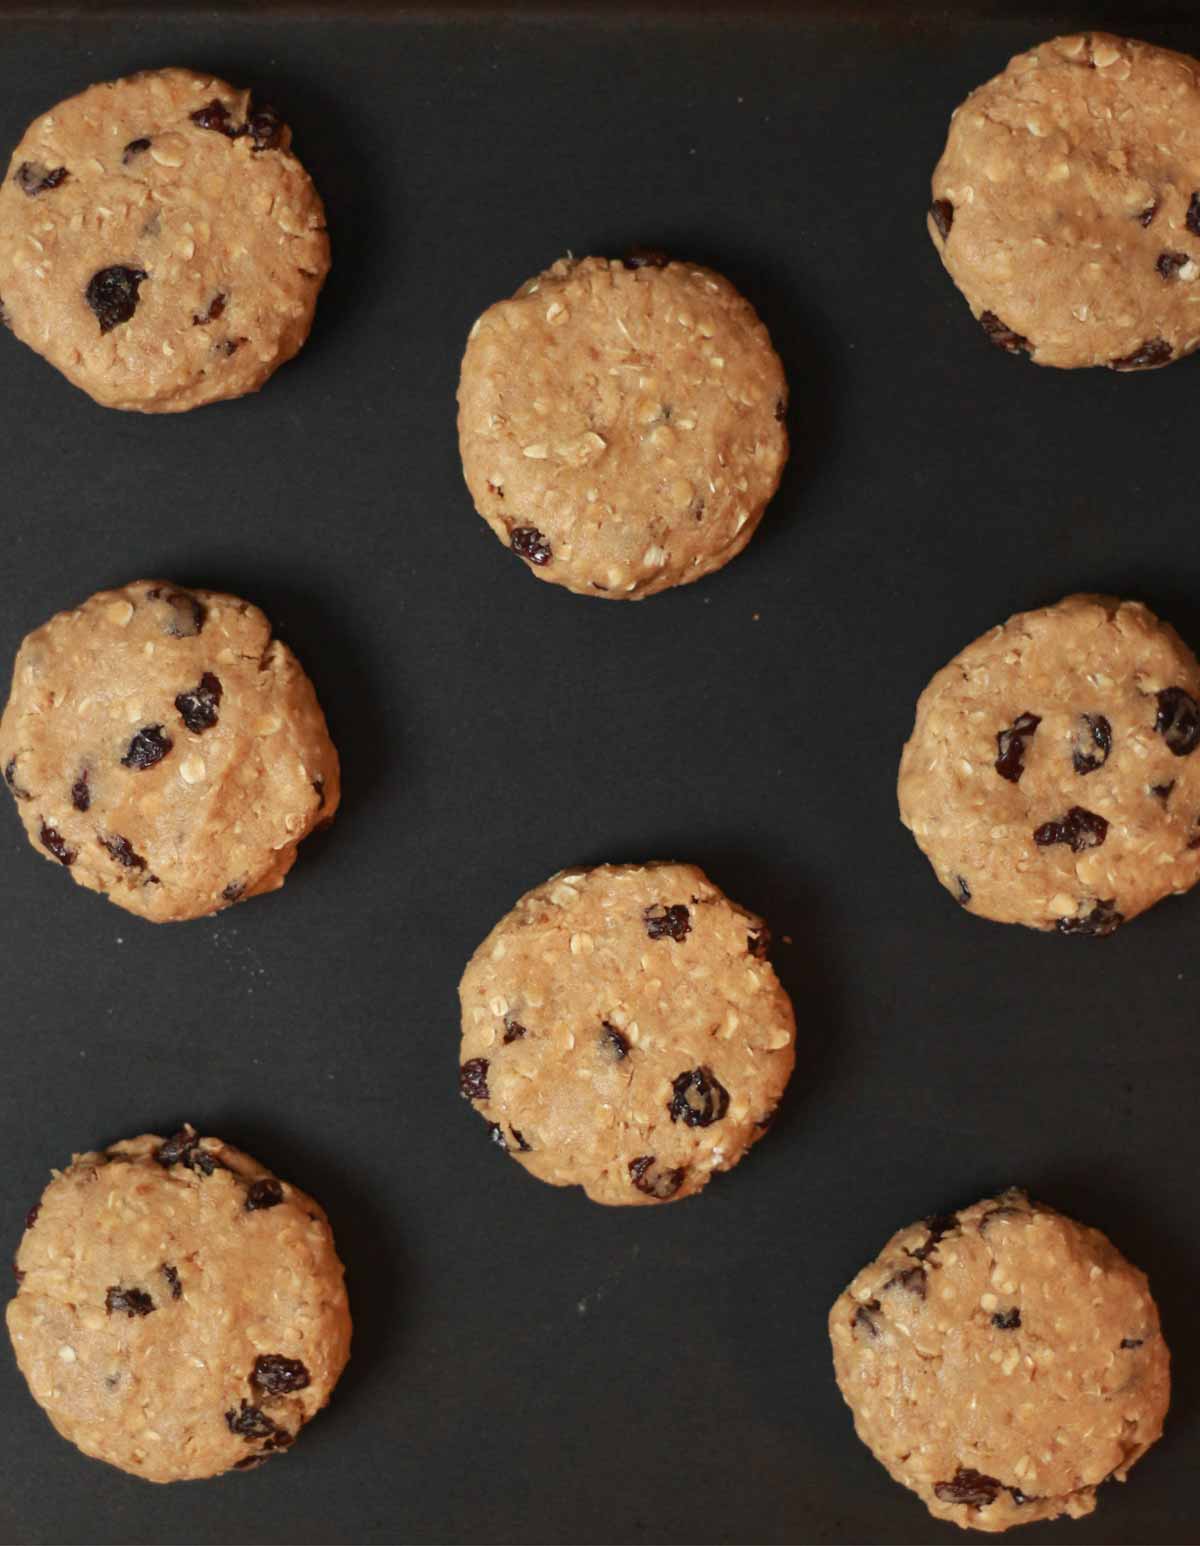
x: 179, y: 1311
x: 623, y: 1031
x: 1002, y: 1362
x: 1051, y: 778
x: 1066, y: 205
x: 166, y: 750
x: 159, y: 243
x: 621, y: 423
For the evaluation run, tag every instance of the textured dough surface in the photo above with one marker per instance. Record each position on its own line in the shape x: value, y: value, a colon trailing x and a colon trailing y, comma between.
x: 181, y: 1373
x: 1002, y: 1362
x: 1067, y: 203
x: 230, y: 238
x: 1090, y: 667
x: 622, y: 428
x: 248, y: 769
x: 623, y: 1032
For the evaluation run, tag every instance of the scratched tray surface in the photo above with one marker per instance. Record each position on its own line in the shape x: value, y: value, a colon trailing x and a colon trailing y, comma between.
x: 528, y: 1366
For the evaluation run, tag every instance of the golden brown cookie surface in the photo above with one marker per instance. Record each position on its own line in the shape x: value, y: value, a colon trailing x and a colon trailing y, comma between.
x: 179, y: 1310
x: 159, y: 243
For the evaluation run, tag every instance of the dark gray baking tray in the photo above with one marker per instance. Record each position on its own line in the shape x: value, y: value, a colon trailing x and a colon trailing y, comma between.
x: 528, y: 1366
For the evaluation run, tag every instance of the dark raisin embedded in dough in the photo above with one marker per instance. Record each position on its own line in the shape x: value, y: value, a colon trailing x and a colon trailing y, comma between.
x: 1155, y: 351
x: 525, y: 1148
x: 1163, y: 791
x: 251, y: 1462
x: 1192, y: 219
x: 964, y: 891
x: 472, y: 1079
x: 1148, y: 214
x: 216, y: 308
x: 128, y: 1301
x: 1001, y: 335
x: 113, y: 295
x: 941, y: 212
x: 31, y: 1217
x: 183, y: 1148
x: 699, y: 1098
x: 1011, y: 746
x: 1079, y: 828
x: 1131, y: 1342
x: 81, y: 795
x: 277, y: 1375
x: 215, y: 116
x: 34, y: 178
x: 134, y: 148
x: 674, y: 922
x: 527, y: 542
x: 613, y: 1045
x: 121, y: 849
x: 1007, y: 1320
x: 939, y: 1226
x: 645, y: 257
x: 1169, y: 264
x: 10, y: 778
x: 1101, y: 921
x: 172, y: 1276
x: 780, y: 411
x: 912, y: 1279
x: 866, y: 1318
x: 198, y: 708
x: 1178, y: 721
x: 264, y: 1193
x: 1092, y: 743
x: 759, y: 943
x: 250, y: 1423
x: 52, y: 839
x: 233, y: 890
x: 265, y: 128
x: 186, y: 615
x: 513, y: 1030
x: 970, y: 1487
x: 653, y: 1179
x: 148, y: 748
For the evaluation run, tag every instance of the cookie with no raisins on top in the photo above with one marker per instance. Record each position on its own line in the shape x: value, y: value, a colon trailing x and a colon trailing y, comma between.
x: 621, y: 423
x: 179, y: 1310
x: 164, y: 748
x: 1051, y: 776
x: 1002, y: 1362
x: 159, y: 242
x: 623, y: 1031
x: 1066, y: 205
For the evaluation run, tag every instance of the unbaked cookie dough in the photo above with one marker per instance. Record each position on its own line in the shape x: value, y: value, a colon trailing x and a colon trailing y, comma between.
x: 1066, y: 205
x: 623, y: 1031
x: 179, y: 1311
x: 1051, y: 778
x: 164, y: 748
x: 622, y: 423
x: 1002, y: 1362
x: 159, y: 242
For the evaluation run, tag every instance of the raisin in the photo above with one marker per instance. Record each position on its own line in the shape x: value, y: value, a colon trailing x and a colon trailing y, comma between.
x: 229, y: 346
x: 941, y: 212
x: 277, y: 1375
x: 1009, y: 1320
x: 699, y: 1098
x: 1155, y: 351
x: 1178, y: 721
x: 673, y: 922
x: 912, y: 1279
x: 1169, y: 264
x: 233, y: 890
x: 964, y: 891
x: 513, y: 1030
x: 1148, y: 214
x: 186, y: 613
x: 1011, y: 746
x: 52, y: 839
x: 148, y: 747
x: 31, y: 1217
x: 215, y: 116
x: 472, y: 1079
x: 10, y: 778
x: 780, y: 411
x: 183, y: 1148
x: 525, y: 1148
x: 1163, y: 791
x: 1100, y: 922
x: 645, y: 257
x: 251, y: 1462
x: 172, y: 1276
x: 759, y: 943
x: 1093, y: 742
x: 249, y: 1423
x: 198, y: 708
x: 128, y: 1301
x: 34, y: 178
x: 527, y: 542
x: 81, y: 795
x: 1003, y: 1210
x: 939, y: 1226
x: 969, y: 1487
x: 216, y: 308
x: 265, y: 1193
x: 134, y: 148
x: 865, y: 1316
x: 613, y: 1045
x: 1079, y: 828
x: 655, y: 1181
x: 121, y: 850
x: 1192, y: 219
x: 113, y: 295
x: 1131, y: 1342
x: 265, y: 128
x: 1002, y: 336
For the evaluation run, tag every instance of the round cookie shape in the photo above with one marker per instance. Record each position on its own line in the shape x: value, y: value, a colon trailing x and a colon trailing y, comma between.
x: 622, y: 423
x: 1051, y: 776
x: 159, y: 242
x: 166, y: 750
x: 623, y: 1031
x: 1066, y: 205
x: 1002, y: 1362
x: 180, y: 1311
